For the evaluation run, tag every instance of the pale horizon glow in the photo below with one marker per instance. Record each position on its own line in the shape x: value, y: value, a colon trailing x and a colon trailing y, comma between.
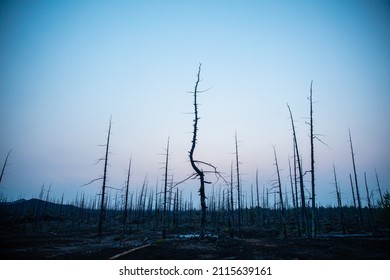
x: 66, y: 67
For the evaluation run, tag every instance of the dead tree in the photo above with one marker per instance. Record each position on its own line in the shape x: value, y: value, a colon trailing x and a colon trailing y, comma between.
x: 198, y: 171
x: 238, y: 188
x: 101, y: 215
x: 231, y: 201
x: 4, y: 165
x: 313, y: 195
x: 369, y: 204
x: 379, y: 189
x: 339, y: 204
x: 257, y: 194
x: 295, y: 200
x: 126, y: 198
x: 356, y: 182
x: 284, y: 223
x: 354, y: 201
x: 302, y: 187
x: 165, y: 191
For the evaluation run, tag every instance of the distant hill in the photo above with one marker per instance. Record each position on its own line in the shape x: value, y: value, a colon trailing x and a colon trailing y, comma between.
x: 37, y: 207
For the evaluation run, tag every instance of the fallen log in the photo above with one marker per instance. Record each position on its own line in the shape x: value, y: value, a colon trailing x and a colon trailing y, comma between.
x: 129, y: 251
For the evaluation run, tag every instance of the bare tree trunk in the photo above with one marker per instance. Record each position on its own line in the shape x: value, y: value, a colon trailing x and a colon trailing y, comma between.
x: 231, y: 200
x: 354, y: 201
x: 302, y: 188
x: 339, y: 204
x: 281, y: 196
x: 369, y: 204
x: 356, y: 182
x: 165, y: 192
x: 126, y: 198
x: 313, y: 199
x: 199, y: 172
x: 238, y: 188
x: 102, y: 204
x: 4, y: 165
x: 295, y: 203
x: 379, y: 189
x: 257, y: 195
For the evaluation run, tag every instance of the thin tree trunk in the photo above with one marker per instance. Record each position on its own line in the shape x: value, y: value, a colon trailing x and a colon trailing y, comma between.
x: 356, y: 182
x: 313, y: 199
x: 369, y: 204
x: 165, y: 191
x: 238, y: 188
x: 281, y: 196
x: 231, y: 199
x: 126, y: 198
x: 257, y: 194
x: 102, y: 204
x: 339, y: 204
x: 302, y: 188
x: 379, y: 189
x: 295, y: 202
x: 4, y: 165
x: 354, y: 201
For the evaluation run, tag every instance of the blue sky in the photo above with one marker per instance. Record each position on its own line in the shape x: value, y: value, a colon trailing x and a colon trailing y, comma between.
x: 67, y: 66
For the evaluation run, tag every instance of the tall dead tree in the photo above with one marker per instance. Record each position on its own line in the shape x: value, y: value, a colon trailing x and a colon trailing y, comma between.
x: 4, y: 165
x: 198, y: 171
x: 313, y: 194
x: 102, y: 204
x: 283, y: 211
x: 302, y: 187
x: 356, y: 182
x: 238, y: 187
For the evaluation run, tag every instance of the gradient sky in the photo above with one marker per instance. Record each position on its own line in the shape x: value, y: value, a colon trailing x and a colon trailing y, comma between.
x: 67, y: 66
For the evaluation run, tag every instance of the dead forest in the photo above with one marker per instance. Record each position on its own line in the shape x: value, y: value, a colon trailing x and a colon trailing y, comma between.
x: 159, y: 212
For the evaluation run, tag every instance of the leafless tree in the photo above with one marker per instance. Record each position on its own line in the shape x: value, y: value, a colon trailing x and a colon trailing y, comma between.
x: 4, y: 165
x: 126, y: 197
x: 356, y: 182
x: 379, y: 189
x: 302, y: 187
x: 165, y: 191
x: 339, y: 204
x: 238, y: 187
x: 279, y: 185
x: 198, y: 171
x: 313, y: 194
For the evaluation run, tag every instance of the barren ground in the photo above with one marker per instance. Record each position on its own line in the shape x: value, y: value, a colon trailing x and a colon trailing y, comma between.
x: 83, y: 245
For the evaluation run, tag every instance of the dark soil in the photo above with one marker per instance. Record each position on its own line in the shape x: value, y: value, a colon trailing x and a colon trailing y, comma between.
x: 83, y: 245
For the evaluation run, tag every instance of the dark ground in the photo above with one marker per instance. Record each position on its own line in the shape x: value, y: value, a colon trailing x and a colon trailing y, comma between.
x: 83, y: 245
